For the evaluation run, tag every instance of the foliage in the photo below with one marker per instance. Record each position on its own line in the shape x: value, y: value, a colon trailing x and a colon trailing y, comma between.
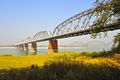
x: 62, y: 66
x: 111, y: 5
x: 96, y: 54
x: 116, y: 57
x: 116, y: 7
x: 7, y: 54
x: 7, y: 62
x: 105, y: 10
x: 79, y: 69
x: 116, y: 46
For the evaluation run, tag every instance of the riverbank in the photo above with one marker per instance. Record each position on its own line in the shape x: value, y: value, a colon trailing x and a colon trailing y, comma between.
x: 8, y: 61
x: 62, y: 66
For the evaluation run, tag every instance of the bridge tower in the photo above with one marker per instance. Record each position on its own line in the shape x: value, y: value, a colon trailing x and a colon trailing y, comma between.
x: 52, y: 46
x: 33, y: 49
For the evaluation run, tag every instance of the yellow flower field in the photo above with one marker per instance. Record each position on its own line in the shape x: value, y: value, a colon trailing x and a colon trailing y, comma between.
x: 7, y: 62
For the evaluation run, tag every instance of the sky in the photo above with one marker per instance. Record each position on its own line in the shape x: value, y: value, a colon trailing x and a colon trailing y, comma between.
x: 20, y: 19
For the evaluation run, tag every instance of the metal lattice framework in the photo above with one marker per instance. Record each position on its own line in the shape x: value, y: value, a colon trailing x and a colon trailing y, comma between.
x: 28, y: 39
x: 42, y: 35
x: 81, y: 21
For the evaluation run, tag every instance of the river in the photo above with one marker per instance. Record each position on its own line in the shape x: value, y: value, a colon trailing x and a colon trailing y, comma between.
x: 44, y: 50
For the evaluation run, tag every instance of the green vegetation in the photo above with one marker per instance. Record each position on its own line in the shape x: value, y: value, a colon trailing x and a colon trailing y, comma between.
x: 7, y: 62
x: 116, y: 45
x: 7, y: 54
x: 61, y: 66
x: 106, y: 12
x: 111, y: 5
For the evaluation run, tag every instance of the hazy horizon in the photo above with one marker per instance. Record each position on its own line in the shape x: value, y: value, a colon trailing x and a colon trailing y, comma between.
x: 20, y: 19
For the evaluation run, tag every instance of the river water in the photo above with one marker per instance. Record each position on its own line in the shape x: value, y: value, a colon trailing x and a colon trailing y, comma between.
x: 44, y: 50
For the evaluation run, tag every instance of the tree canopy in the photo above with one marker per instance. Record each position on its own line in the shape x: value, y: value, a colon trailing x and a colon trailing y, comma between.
x: 108, y: 8
x: 113, y: 5
x: 105, y: 10
x: 116, y: 46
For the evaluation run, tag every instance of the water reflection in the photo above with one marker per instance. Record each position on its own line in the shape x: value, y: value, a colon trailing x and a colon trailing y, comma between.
x: 27, y: 52
x: 44, y: 50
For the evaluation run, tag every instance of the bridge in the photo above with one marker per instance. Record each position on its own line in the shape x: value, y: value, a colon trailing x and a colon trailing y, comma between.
x: 81, y: 24
x: 7, y: 46
x: 73, y: 44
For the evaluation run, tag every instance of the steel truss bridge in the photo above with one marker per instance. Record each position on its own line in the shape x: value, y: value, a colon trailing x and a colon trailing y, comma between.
x: 78, y: 25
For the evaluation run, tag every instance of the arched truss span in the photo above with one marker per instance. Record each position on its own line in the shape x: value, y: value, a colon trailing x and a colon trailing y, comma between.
x: 81, y: 21
x: 28, y: 39
x: 42, y: 35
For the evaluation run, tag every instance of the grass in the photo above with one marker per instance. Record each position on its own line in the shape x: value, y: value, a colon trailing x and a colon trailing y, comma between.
x: 7, y: 62
x: 62, y: 66
x: 7, y: 54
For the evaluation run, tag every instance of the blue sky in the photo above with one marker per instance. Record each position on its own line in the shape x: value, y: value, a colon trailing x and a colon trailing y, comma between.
x: 23, y: 18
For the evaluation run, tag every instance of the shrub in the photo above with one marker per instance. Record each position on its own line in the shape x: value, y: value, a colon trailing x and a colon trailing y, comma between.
x: 7, y: 54
x: 82, y: 69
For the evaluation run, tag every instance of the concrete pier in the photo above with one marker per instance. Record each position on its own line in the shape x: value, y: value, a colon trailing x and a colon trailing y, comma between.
x: 22, y: 47
x: 52, y: 46
x: 26, y: 50
x: 33, y: 49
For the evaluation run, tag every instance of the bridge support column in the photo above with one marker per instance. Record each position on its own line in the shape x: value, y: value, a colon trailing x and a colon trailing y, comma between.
x: 22, y: 47
x: 26, y: 49
x: 52, y: 46
x: 18, y: 47
x: 33, y: 49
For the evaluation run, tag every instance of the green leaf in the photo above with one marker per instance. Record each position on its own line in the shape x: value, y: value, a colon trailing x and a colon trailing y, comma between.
x: 97, y: 0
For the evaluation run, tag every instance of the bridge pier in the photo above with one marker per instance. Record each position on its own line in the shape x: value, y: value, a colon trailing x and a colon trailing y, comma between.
x: 26, y: 49
x: 52, y: 46
x: 18, y: 47
x: 33, y: 49
x: 21, y: 47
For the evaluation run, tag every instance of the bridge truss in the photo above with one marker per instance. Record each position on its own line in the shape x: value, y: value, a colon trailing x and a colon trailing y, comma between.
x: 80, y: 24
